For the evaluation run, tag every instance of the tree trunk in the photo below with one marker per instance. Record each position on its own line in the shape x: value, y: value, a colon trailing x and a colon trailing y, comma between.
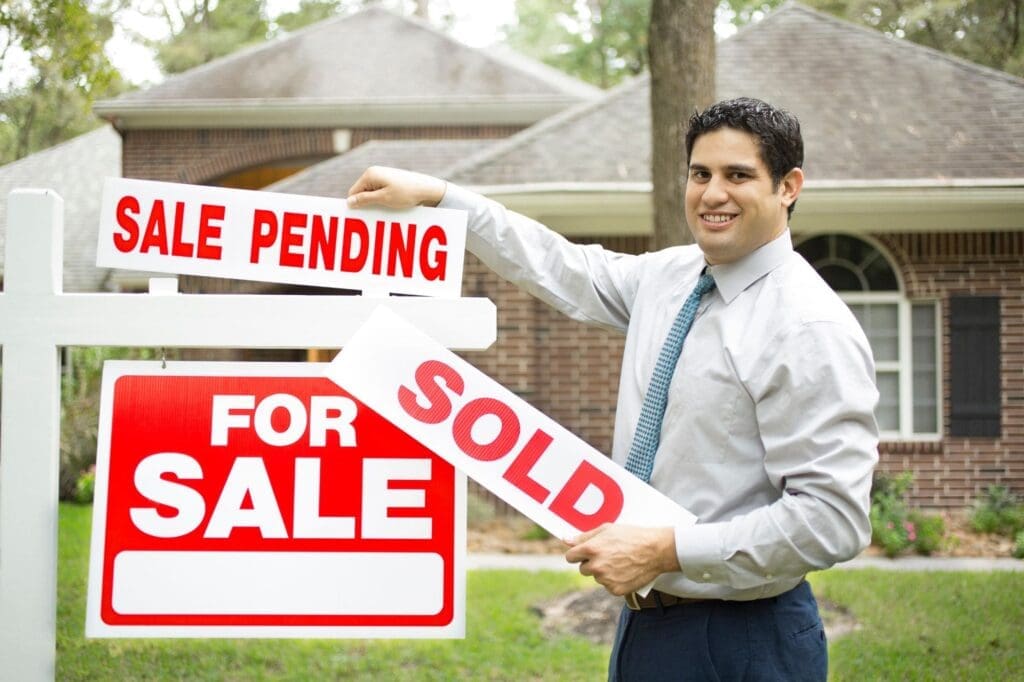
x: 681, y: 47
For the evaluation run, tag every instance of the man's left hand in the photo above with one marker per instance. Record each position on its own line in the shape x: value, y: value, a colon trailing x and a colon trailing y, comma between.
x: 624, y: 558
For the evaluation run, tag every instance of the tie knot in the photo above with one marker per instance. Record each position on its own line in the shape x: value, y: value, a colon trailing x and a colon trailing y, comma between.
x: 705, y: 284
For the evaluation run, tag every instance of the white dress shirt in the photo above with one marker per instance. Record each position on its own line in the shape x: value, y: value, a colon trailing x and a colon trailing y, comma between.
x: 769, y: 436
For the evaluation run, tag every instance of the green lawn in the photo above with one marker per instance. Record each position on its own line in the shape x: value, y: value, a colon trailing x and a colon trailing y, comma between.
x: 915, y: 626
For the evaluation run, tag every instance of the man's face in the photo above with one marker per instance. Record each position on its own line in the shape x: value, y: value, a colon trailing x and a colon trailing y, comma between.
x: 731, y: 207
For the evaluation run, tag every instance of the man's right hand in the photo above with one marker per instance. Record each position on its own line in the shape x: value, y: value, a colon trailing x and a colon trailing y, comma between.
x: 395, y: 188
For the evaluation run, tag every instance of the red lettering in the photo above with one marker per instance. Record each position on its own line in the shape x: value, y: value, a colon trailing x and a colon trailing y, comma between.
x: 518, y: 473
x: 400, y: 248
x: 323, y: 243
x: 209, y: 231
x: 264, y: 232
x: 378, y: 246
x: 125, y: 243
x: 156, y: 230
x: 179, y: 247
x: 435, y: 268
x: 290, y: 239
x: 502, y: 444
x: 354, y: 262
x: 585, y: 476
x: 427, y: 376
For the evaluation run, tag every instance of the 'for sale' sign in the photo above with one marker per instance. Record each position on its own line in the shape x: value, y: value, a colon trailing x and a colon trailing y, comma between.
x: 273, y: 237
x: 263, y: 500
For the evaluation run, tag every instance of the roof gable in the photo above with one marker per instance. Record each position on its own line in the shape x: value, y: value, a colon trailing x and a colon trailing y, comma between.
x: 870, y: 107
x: 371, y: 56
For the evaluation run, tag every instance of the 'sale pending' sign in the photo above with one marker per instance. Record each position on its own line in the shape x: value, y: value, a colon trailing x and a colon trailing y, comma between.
x: 274, y: 237
x: 263, y: 500
x: 495, y: 437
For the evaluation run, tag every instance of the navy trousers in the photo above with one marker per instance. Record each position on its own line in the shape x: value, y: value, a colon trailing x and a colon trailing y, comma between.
x: 779, y: 638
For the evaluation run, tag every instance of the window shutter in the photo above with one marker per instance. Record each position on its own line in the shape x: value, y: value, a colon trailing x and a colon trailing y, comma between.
x: 975, y: 395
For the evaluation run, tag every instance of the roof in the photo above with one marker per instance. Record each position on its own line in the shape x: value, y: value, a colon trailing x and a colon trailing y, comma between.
x: 871, y: 108
x: 354, y: 70
x: 76, y: 170
x: 332, y: 178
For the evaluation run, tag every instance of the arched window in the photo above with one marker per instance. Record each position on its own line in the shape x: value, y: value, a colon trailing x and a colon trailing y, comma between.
x: 903, y: 333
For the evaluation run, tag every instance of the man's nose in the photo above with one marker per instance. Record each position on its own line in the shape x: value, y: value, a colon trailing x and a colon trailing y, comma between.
x: 715, y: 191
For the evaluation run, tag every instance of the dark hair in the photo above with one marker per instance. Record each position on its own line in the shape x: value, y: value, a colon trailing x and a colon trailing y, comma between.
x: 776, y: 130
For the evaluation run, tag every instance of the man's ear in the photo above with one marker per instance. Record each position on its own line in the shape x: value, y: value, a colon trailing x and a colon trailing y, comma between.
x: 791, y: 185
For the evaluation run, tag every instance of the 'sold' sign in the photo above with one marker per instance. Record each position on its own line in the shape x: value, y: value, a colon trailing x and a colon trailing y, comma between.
x: 248, y: 499
x: 243, y: 234
x: 495, y: 437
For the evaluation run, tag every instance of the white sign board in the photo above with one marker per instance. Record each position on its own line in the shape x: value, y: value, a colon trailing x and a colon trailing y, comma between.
x: 495, y: 437
x: 263, y: 500
x: 288, y: 238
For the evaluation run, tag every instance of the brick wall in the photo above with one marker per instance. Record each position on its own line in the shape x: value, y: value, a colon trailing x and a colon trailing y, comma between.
x: 199, y: 156
x: 953, y: 472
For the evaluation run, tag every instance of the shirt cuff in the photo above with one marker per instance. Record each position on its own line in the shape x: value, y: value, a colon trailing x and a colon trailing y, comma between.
x: 699, y: 550
x: 457, y: 197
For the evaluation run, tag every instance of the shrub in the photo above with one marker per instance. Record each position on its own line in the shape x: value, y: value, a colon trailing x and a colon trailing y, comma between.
x: 85, y: 486
x: 928, y: 532
x: 891, y: 528
x: 999, y: 511
x: 1018, y: 546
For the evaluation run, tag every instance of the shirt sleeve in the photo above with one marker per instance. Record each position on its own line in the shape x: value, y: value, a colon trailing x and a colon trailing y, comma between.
x: 587, y: 283
x: 815, y: 404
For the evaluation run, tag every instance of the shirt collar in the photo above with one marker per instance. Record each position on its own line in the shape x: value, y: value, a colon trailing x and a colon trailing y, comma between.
x: 732, y: 278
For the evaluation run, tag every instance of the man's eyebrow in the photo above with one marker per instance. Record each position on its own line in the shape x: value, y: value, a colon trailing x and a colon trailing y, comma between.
x: 741, y: 168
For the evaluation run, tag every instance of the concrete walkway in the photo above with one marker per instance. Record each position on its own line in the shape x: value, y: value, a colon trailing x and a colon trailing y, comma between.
x: 556, y: 562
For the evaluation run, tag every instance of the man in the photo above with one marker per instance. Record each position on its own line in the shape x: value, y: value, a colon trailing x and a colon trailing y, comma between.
x: 762, y: 425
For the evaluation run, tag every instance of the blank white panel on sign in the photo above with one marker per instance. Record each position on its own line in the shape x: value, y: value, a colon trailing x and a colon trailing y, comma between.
x: 278, y: 583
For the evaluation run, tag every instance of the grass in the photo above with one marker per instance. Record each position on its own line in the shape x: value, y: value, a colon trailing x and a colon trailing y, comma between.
x: 914, y: 626
x: 927, y: 626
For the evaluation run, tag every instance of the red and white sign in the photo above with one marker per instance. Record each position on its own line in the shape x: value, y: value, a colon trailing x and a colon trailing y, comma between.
x: 266, y: 236
x: 495, y: 437
x: 262, y: 500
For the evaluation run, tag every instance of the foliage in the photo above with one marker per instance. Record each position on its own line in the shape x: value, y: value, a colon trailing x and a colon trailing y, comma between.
x: 599, y: 41
x: 998, y: 511
x: 206, y: 30
x: 80, y: 406
x: 503, y: 640
x: 85, y: 486
x: 1018, y: 546
x: 988, y: 32
x: 890, y: 522
x: 894, y: 527
x: 63, y: 41
x: 926, y: 626
x: 929, y: 531
x: 308, y: 12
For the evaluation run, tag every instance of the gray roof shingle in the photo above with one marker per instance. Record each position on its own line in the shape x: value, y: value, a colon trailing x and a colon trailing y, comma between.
x: 332, y: 178
x: 373, y: 55
x: 870, y: 107
x: 76, y: 170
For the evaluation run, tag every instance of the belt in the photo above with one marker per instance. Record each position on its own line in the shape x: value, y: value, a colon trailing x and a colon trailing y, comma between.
x: 656, y: 599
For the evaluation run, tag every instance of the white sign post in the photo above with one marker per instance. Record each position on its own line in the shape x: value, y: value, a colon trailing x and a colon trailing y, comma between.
x: 36, y: 318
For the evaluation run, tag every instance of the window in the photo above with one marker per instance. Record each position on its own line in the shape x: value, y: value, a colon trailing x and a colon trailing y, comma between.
x: 904, y: 334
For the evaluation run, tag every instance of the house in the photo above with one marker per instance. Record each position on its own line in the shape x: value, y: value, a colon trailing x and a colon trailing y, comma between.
x: 913, y: 209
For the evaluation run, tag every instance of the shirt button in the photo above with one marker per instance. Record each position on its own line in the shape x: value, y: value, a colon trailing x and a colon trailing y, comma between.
x: 706, y: 576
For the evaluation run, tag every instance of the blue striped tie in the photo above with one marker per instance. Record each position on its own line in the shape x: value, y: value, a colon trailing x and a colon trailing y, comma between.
x: 640, y: 461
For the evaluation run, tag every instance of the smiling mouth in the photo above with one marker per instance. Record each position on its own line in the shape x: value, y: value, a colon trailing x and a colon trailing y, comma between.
x: 717, y: 219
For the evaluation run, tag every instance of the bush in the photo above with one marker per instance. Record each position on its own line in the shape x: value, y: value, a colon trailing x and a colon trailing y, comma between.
x: 86, y: 486
x: 80, y: 408
x: 928, y: 531
x: 891, y: 528
x: 1018, y: 546
x: 999, y: 511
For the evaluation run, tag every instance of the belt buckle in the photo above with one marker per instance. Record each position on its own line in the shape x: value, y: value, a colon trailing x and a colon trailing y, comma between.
x: 631, y: 601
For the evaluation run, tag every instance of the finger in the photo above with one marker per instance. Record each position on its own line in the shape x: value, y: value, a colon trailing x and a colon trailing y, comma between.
x: 583, y: 537
x: 368, y: 198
